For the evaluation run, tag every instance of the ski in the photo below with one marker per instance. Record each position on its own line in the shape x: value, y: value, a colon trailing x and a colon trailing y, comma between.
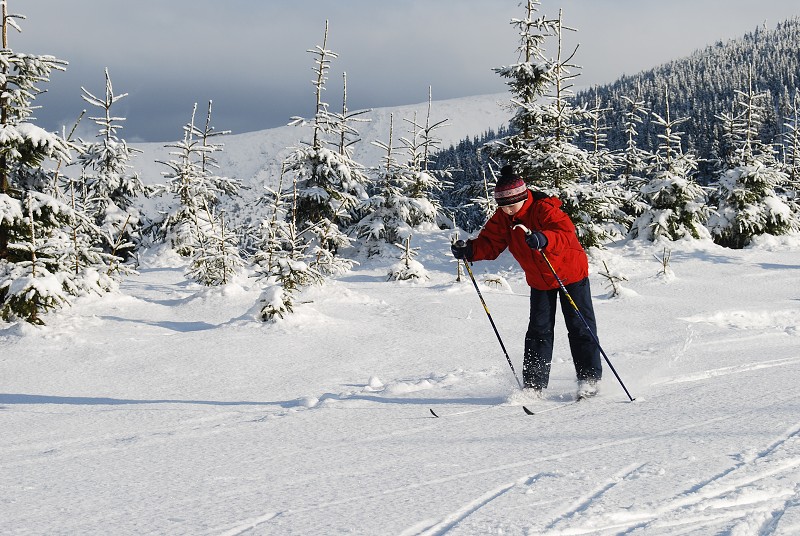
x: 526, y: 409
x: 465, y: 412
x: 529, y: 411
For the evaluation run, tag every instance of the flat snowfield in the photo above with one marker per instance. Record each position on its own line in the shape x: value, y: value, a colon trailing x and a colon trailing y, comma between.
x: 168, y: 408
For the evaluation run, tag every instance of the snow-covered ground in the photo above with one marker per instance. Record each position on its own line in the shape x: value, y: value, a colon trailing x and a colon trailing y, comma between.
x: 167, y: 409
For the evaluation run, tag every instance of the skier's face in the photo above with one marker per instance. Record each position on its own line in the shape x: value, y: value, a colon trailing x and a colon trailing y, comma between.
x: 512, y: 209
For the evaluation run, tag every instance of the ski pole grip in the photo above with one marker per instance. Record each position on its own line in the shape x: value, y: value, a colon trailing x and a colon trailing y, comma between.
x: 524, y: 229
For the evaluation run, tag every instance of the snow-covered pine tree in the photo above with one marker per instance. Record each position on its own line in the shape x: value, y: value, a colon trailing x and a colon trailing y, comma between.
x: 528, y: 81
x: 603, y: 162
x: 216, y: 257
x: 791, y: 143
x: 421, y: 183
x: 543, y: 149
x: 408, y: 268
x: 607, y: 194
x: 185, y: 182
x: 791, y: 151
x: 30, y: 286
x: 270, y: 233
x: 592, y: 205
x: 89, y: 244
x: 354, y: 182
x: 676, y: 203
x: 268, y: 240
x: 635, y: 161
x: 566, y: 166
x: 280, y: 259
x: 746, y: 190
x: 195, y: 186
x: 426, y: 183
x: 87, y: 261
x: 110, y: 189
x: 388, y: 211
x: 329, y: 184
x: 91, y: 247
x: 35, y: 222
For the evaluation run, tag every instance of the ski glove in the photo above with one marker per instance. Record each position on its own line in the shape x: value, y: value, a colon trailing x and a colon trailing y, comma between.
x: 536, y: 240
x: 461, y: 250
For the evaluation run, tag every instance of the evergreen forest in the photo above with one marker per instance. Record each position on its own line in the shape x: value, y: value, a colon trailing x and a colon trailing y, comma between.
x: 706, y: 92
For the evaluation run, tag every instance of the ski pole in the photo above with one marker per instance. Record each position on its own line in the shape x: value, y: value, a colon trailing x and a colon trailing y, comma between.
x: 580, y: 315
x: 485, y: 308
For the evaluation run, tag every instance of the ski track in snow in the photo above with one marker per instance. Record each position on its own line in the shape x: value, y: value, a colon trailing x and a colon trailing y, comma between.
x: 710, y: 494
x: 249, y: 525
x: 453, y: 519
x: 583, y: 503
x: 734, y: 493
x: 725, y: 371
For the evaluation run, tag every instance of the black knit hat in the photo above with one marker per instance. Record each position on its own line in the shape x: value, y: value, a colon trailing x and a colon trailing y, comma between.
x: 510, y: 187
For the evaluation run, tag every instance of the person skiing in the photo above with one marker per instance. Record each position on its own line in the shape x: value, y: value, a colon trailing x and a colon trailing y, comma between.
x: 550, y: 230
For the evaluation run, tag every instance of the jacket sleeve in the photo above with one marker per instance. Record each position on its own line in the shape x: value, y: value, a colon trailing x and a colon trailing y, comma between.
x: 492, y: 240
x: 556, y: 226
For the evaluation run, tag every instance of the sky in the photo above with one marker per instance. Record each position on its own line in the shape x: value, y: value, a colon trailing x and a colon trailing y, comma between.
x: 250, y: 58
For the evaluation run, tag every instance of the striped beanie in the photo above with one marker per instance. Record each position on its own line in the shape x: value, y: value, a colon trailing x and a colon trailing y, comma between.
x: 510, y: 187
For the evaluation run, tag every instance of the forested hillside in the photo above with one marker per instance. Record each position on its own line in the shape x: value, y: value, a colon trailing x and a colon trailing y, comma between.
x: 700, y: 88
x: 703, y: 86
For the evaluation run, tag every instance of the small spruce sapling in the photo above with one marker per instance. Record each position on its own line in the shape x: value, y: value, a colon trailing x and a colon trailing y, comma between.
x: 613, y: 281
x: 666, y: 271
x: 459, y: 270
x: 407, y: 268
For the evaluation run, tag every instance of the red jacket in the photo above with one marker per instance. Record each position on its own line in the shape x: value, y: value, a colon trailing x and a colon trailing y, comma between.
x: 563, y: 249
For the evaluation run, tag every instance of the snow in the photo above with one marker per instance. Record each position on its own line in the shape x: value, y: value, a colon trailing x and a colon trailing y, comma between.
x: 10, y: 208
x: 168, y: 408
x: 27, y: 132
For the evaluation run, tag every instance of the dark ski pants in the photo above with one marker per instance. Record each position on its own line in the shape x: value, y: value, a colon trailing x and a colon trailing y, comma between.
x: 539, y: 338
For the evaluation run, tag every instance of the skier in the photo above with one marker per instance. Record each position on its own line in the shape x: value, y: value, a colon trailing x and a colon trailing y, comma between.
x: 551, y: 231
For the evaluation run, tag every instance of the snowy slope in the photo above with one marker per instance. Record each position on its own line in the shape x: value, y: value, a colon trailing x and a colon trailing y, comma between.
x: 255, y: 157
x: 166, y: 408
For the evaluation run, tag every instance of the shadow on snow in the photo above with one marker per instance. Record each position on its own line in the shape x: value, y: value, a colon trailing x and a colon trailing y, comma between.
x: 21, y: 399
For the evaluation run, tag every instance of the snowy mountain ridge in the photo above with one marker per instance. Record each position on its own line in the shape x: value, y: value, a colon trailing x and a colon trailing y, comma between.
x: 255, y: 157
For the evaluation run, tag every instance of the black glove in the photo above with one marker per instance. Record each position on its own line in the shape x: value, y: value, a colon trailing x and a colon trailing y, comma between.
x: 536, y: 240
x: 461, y: 250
